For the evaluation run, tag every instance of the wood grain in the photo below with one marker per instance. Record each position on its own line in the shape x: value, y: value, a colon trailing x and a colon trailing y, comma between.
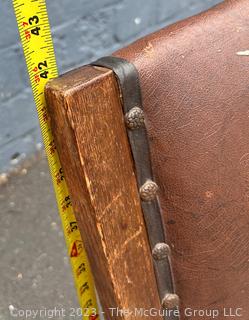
x: 87, y: 121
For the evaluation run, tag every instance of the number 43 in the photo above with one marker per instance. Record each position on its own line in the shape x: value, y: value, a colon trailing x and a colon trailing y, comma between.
x: 33, y: 21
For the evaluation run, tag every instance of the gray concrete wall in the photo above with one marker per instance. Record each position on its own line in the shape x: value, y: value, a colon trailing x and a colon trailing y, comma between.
x: 82, y: 31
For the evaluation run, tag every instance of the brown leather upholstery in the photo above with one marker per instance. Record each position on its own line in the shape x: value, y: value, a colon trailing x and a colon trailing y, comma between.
x: 195, y: 88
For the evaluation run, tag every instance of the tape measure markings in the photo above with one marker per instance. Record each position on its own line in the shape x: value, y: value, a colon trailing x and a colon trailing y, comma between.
x: 34, y: 29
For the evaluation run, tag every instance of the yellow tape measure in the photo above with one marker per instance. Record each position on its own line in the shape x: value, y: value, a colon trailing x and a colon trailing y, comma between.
x: 34, y: 29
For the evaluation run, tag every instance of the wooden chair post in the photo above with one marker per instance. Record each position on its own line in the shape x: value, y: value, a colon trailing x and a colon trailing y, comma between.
x: 87, y: 121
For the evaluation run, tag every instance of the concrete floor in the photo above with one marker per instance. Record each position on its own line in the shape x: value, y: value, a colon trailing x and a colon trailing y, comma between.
x: 34, y: 267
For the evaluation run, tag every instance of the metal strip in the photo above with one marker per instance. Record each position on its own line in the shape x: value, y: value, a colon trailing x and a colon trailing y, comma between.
x: 128, y: 80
